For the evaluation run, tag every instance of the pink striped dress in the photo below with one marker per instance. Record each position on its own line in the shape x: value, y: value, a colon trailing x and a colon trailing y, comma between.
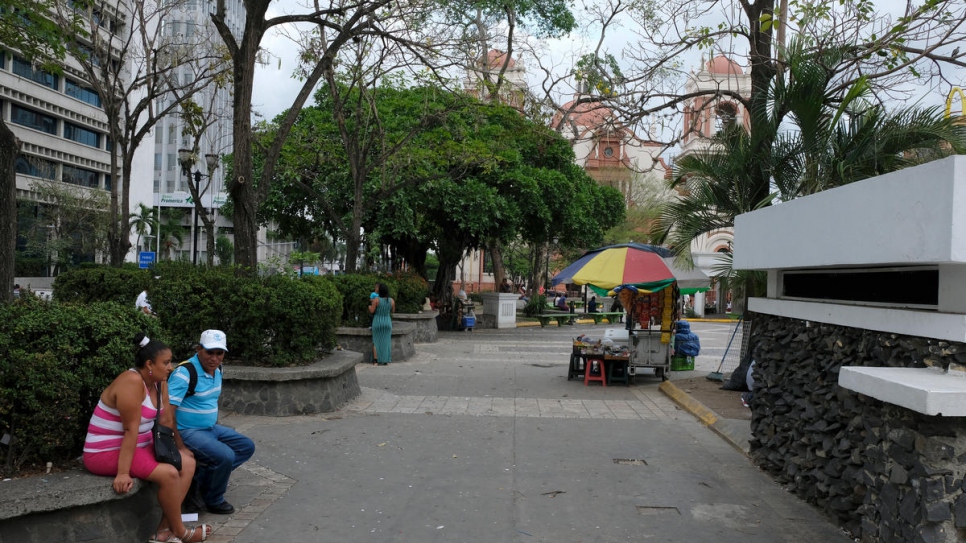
x: 106, y: 431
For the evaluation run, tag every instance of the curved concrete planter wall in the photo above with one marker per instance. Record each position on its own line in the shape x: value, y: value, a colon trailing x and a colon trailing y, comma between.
x: 76, y: 506
x: 426, y: 330
x: 360, y: 340
x: 321, y: 387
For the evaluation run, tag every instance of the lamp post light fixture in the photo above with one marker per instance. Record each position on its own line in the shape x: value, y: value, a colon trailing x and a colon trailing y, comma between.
x: 187, y: 159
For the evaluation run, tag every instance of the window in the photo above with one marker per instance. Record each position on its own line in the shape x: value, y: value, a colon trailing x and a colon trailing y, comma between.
x: 84, y: 94
x: 915, y: 286
x: 3, y: 60
x: 107, y: 182
x: 87, y: 54
x: 82, y: 135
x: 80, y: 176
x: 33, y: 119
x: 24, y: 69
x: 725, y: 117
x: 36, y: 167
x: 608, y: 151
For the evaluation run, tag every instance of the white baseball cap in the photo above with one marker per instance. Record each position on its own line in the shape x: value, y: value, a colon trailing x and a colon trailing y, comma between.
x: 214, y: 339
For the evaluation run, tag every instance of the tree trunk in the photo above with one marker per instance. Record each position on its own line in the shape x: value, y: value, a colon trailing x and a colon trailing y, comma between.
x: 353, y: 238
x: 762, y: 72
x: 120, y: 211
x: 241, y: 186
x: 9, y: 149
x: 496, y: 253
x: 537, y: 263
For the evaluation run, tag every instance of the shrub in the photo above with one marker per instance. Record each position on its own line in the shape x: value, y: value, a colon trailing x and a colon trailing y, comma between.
x: 536, y: 306
x: 411, y: 291
x: 355, y: 289
x: 272, y: 321
x: 101, y: 284
x: 55, y: 360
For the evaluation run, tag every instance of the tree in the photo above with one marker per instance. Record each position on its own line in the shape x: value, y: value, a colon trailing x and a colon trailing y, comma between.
x: 170, y: 231
x: 464, y: 174
x: 333, y: 27
x: 142, y: 70
x: 26, y: 27
x: 144, y: 222
x: 508, y: 178
x: 71, y: 227
x: 197, y: 119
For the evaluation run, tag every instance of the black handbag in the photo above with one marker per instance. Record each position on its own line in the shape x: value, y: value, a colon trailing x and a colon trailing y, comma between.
x: 165, y: 449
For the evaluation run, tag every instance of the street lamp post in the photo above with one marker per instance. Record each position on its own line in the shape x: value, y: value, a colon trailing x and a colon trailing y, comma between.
x: 187, y: 160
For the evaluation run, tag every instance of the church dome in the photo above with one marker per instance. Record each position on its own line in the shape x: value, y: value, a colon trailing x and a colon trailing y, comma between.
x: 495, y: 59
x: 724, y: 65
x: 587, y: 114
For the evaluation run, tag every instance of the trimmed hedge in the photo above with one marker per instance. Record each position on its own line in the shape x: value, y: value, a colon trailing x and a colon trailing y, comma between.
x: 101, y: 284
x: 407, y: 289
x: 55, y: 360
x: 269, y: 321
x: 411, y: 292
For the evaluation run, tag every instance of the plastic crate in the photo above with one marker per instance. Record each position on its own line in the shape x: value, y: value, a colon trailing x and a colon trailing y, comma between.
x: 682, y: 363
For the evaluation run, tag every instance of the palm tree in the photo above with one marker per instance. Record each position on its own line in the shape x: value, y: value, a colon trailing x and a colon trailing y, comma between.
x: 144, y: 223
x: 815, y: 144
x: 171, y: 232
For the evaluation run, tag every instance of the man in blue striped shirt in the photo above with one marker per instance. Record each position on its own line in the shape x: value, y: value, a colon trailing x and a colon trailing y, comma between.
x: 218, y: 449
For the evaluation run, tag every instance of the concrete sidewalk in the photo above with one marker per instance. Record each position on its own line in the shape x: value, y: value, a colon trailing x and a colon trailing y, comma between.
x: 481, y: 438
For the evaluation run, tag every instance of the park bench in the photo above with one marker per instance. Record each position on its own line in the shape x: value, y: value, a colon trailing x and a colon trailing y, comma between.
x: 561, y: 318
x: 611, y: 317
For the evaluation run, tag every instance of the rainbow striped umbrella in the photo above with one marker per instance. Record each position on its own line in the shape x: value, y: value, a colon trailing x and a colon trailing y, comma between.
x: 645, y: 266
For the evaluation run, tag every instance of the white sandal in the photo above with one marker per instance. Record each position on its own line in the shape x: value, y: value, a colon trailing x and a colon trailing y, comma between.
x: 206, y: 530
x: 171, y: 538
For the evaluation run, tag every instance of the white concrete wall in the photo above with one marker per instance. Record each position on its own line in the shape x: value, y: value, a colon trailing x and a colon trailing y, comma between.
x: 914, y: 216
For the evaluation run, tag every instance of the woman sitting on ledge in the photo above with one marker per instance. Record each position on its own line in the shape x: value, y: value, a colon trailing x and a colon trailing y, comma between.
x: 119, y: 441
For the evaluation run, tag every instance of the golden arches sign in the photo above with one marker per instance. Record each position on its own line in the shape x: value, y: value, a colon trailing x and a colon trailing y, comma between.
x: 962, y: 101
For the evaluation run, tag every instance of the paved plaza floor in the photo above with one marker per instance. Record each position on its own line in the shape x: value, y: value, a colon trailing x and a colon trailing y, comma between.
x: 481, y: 438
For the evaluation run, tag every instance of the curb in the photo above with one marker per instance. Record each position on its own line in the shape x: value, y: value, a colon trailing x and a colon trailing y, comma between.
x: 708, y: 417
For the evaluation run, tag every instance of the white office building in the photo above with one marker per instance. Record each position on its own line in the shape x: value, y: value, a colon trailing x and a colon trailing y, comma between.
x: 158, y: 178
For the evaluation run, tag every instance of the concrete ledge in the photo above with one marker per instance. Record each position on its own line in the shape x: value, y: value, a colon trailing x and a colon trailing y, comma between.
x: 360, y: 340
x: 908, y: 322
x: 720, y: 426
x: 426, y: 329
x: 321, y: 387
x: 924, y: 390
x: 75, y: 506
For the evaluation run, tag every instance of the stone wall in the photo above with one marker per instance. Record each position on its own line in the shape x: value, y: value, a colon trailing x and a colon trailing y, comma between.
x: 321, y: 387
x: 360, y: 340
x: 426, y: 331
x: 76, y: 506
x: 885, y: 473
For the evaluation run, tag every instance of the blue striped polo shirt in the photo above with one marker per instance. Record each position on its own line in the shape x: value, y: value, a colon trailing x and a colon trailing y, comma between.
x: 201, y: 409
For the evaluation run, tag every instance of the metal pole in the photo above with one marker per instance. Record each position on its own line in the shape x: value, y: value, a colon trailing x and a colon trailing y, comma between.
x: 194, y: 235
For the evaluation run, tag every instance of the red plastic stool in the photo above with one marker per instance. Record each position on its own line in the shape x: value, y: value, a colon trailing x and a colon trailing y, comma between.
x: 590, y: 376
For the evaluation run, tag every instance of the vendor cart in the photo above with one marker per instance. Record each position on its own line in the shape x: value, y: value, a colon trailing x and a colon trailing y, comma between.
x: 650, y: 321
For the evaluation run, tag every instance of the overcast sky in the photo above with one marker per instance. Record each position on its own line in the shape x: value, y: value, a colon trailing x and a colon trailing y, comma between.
x: 275, y: 89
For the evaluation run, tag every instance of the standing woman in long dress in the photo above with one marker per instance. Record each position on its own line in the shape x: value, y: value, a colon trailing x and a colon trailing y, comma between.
x: 381, y: 309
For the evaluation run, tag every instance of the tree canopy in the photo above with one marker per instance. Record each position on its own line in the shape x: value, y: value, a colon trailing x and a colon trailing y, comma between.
x: 462, y: 172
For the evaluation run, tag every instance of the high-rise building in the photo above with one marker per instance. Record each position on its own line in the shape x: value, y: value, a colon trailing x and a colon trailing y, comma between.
x: 159, y: 179
x: 60, y: 120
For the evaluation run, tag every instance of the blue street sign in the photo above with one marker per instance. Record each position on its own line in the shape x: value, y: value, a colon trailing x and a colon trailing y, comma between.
x: 146, y: 259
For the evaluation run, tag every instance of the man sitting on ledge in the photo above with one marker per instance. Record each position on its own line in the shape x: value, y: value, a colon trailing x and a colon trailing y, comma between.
x: 194, y: 389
